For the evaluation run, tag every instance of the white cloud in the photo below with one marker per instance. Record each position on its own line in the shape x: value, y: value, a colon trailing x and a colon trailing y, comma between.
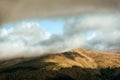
x: 105, y: 27
x: 20, y: 38
x: 96, y: 32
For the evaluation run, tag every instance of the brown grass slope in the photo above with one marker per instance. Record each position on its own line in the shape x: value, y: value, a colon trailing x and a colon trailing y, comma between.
x: 77, y: 64
x: 77, y: 57
x: 102, y: 59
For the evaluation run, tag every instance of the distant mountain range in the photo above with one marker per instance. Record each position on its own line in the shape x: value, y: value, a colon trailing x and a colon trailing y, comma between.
x: 77, y: 64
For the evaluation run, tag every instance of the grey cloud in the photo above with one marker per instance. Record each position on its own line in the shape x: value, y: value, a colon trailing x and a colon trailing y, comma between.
x: 12, y: 10
x: 62, y: 43
x: 96, y: 32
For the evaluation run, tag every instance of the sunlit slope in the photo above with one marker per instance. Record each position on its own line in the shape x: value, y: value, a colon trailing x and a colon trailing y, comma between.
x: 71, y: 58
x: 77, y: 57
x: 102, y: 59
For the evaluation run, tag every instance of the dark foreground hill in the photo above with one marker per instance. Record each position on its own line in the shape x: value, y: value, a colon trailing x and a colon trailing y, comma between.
x: 78, y: 64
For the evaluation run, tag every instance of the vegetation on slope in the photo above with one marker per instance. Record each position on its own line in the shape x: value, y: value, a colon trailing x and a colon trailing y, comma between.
x: 79, y: 64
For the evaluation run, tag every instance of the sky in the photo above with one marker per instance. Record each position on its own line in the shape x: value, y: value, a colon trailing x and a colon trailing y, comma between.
x: 53, y: 26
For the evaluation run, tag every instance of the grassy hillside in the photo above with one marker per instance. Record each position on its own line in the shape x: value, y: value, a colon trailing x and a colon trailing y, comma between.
x: 78, y: 64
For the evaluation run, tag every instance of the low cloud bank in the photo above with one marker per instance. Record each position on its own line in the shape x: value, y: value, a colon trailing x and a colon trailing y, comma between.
x: 96, y: 32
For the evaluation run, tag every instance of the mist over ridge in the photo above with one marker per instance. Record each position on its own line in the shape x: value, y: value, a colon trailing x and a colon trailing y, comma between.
x: 89, y: 31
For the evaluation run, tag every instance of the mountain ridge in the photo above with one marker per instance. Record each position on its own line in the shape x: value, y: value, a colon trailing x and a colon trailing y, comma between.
x: 76, y: 64
x: 76, y: 57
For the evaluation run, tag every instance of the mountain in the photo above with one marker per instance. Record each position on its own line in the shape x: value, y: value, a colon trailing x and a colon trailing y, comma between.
x: 116, y: 51
x: 65, y: 59
x: 70, y: 65
x: 102, y: 59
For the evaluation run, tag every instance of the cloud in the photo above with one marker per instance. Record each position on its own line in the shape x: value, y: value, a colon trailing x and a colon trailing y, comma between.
x: 20, y: 39
x: 101, y: 30
x: 12, y: 10
x: 96, y: 32
x: 60, y: 43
